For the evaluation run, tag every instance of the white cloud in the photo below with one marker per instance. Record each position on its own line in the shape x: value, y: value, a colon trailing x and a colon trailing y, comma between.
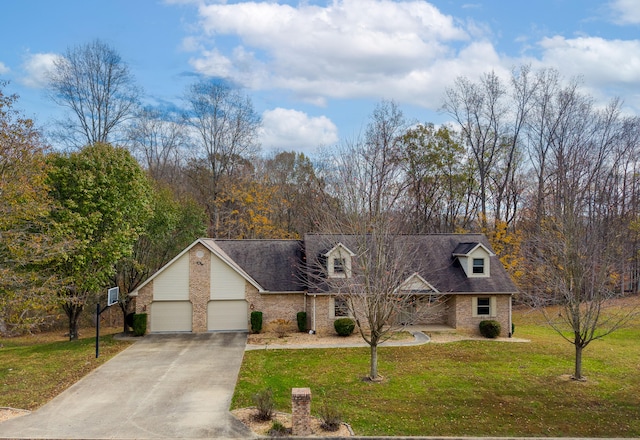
x: 3, y: 69
x: 600, y: 62
x: 348, y: 48
x: 287, y: 129
x: 37, y: 67
x: 626, y: 11
x: 606, y: 68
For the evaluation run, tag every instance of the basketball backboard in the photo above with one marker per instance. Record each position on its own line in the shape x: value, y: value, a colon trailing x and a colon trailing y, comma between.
x: 113, y: 296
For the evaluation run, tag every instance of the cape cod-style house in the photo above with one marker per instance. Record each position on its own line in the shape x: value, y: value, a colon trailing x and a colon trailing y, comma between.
x: 214, y: 285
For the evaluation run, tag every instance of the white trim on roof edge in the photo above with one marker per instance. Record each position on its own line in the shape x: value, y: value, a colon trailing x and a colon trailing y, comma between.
x: 214, y: 249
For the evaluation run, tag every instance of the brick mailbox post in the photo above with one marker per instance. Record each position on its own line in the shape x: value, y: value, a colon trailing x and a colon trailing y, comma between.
x: 301, y: 411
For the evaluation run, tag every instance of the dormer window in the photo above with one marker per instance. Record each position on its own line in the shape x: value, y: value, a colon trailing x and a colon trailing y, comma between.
x: 474, y: 258
x: 339, y: 261
x: 478, y: 265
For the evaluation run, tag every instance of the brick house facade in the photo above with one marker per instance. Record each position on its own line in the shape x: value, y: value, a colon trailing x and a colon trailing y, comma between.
x: 214, y: 285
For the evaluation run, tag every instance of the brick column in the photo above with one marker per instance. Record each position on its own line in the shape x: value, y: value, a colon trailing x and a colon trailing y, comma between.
x: 199, y: 286
x: 301, y: 411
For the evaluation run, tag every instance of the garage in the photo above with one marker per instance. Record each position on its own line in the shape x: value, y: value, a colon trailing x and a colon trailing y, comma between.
x: 171, y: 316
x: 227, y: 315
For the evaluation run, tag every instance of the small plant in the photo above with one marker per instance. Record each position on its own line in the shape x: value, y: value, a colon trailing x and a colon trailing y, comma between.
x: 302, y: 321
x: 139, y: 324
x: 256, y: 322
x: 278, y: 429
x: 263, y: 400
x: 513, y: 328
x: 490, y: 328
x: 281, y: 327
x: 330, y: 417
x: 344, y: 326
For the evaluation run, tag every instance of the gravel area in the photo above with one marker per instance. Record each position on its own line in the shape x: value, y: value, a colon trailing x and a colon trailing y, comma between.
x: 9, y: 413
x: 247, y: 416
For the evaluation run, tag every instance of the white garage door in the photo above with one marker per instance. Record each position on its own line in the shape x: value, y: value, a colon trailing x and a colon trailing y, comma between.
x: 171, y: 316
x: 227, y: 315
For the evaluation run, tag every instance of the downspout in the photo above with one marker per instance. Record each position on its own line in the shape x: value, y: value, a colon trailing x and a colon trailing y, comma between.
x: 510, y: 316
x: 314, y: 314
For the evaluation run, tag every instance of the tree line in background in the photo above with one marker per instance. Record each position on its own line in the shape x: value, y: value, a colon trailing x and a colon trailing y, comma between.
x: 532, y: 161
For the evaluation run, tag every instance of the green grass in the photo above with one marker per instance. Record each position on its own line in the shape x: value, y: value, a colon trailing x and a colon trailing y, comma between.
x: 483, y: 388
x: 35, y: 369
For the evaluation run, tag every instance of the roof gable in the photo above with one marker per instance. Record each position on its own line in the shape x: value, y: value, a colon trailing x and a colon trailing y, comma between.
x: 216, y: 250
x: 416, y: 284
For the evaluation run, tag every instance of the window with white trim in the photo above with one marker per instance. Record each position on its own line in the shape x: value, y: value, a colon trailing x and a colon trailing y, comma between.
x: 340, y: 307
x: 483, y: 307
x: 339, y: 265
x: 478, y: 265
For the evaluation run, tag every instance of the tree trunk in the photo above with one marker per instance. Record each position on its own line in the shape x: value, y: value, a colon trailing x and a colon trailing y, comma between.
x: 577, y: 375
x: 73, y: 312
x: 373, y: 373
x: 73, y: 323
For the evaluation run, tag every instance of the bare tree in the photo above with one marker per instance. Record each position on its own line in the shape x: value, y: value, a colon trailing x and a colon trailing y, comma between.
x: 226, y: 127
x: 158, y: 140
x: 578, y: 250
x: 96, y: 86
x: 491, y: 117
x: 366, y: 177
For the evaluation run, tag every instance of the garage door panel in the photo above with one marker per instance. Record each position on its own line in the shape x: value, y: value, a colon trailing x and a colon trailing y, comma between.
x: 227, y: 315
x: 171, y: 316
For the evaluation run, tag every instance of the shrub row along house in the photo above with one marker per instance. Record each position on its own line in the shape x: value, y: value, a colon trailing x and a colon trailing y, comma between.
x: 214, y: 285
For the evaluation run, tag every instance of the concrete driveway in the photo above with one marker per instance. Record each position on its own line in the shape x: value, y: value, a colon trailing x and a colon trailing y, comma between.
x: 163, y: 386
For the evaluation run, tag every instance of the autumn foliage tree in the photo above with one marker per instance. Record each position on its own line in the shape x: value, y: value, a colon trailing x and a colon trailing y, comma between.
x: 27, y: 237
x: 103, y: 199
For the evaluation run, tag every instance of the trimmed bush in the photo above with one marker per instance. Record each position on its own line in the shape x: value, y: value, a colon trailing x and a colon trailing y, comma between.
x: 256, y: 322
x: 490, y: 328
x: 344, y: 326
x: 139, y: 324
x: 302, y: 321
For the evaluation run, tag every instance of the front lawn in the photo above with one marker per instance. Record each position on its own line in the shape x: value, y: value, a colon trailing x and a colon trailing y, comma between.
x: 35, y: 369
x: 479, y: 388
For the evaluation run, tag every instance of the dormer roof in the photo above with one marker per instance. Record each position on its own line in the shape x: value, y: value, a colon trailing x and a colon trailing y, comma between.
x: 337, y: 248
x: 466, y: 249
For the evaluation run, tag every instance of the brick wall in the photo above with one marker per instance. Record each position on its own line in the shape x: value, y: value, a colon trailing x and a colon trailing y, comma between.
x: 199, y: 285
x: 465, y: 321
x: 275, y: 306
x: 143, y: 302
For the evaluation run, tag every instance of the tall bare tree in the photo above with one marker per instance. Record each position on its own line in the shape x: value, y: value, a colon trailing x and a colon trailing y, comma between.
x: 490, y: 117
x: 158, y: 140
x: 367, y: 179
x: 95, y: 84
x: 226, y: 127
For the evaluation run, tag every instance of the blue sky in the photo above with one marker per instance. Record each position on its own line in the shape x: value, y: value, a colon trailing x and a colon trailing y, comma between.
x: 315, y: 69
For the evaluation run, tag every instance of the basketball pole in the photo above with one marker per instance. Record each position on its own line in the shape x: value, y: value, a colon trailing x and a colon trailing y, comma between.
x: 98, y: 313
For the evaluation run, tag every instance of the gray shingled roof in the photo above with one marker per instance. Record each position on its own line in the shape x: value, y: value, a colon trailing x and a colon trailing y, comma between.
x: 434, y: 260
x: 277, y: 265
x: 274, y: 264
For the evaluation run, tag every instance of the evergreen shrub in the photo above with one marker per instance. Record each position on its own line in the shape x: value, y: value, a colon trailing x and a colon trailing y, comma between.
x: 344, y: 326
x: 256, y: 321
x: 139, y: 324
x: 490, y: 328
x: 302, y: 321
